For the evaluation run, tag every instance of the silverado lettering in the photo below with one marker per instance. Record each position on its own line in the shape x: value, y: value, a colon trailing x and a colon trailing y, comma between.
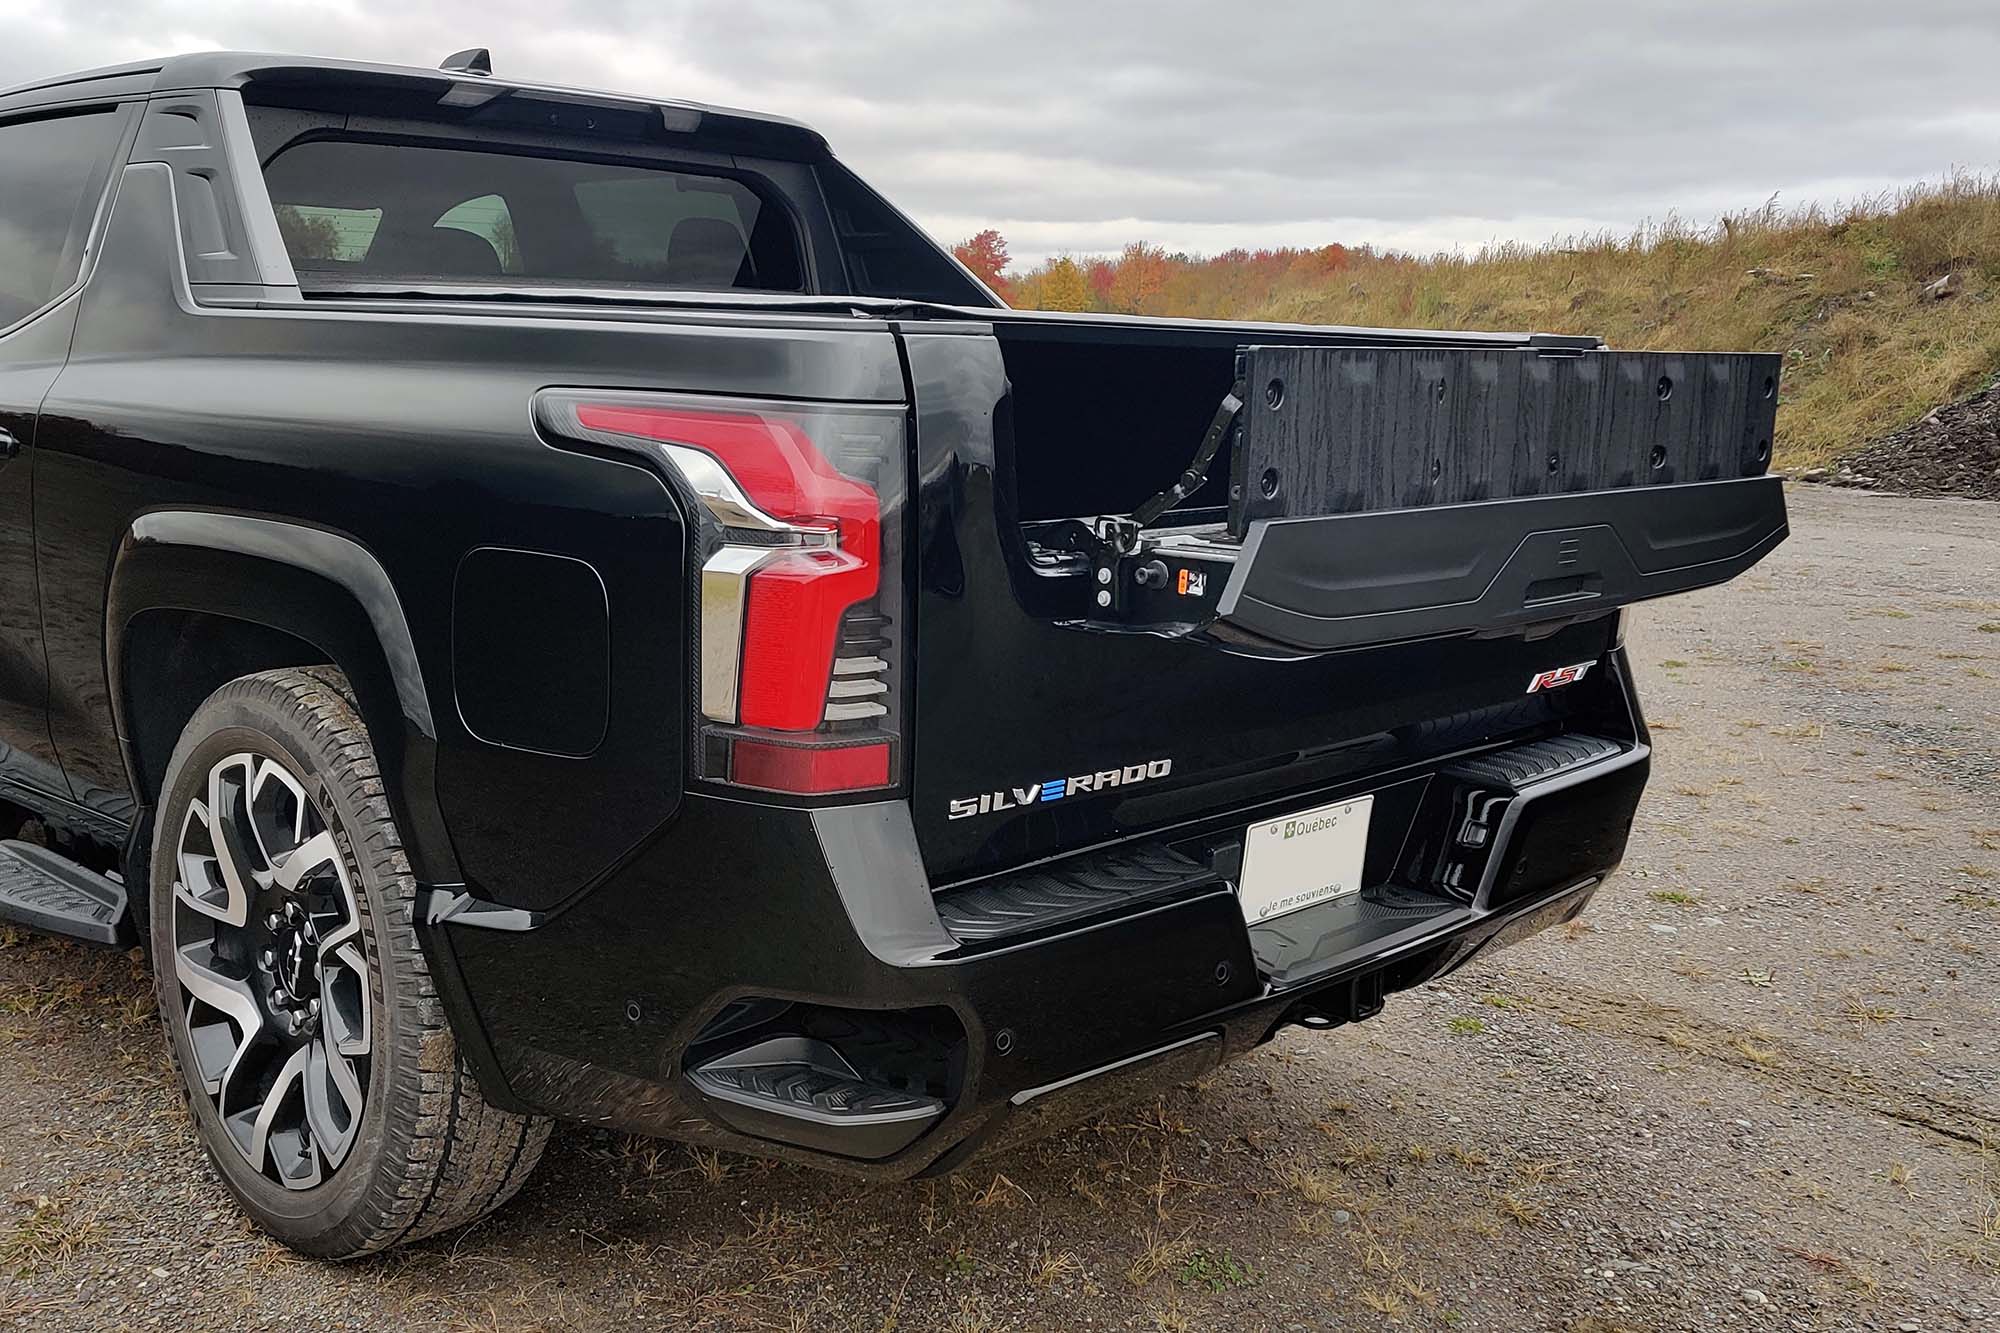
x: 964, y: 807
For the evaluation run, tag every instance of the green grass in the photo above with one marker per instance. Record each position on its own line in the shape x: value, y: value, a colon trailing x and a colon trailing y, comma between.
x: 1466, y: 1027
x: 1211, y: 1271
x: 1836, y: 290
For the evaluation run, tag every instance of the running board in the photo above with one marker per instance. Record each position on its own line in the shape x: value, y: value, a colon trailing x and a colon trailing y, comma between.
x: 800, y: 1091
x: 48, y: 892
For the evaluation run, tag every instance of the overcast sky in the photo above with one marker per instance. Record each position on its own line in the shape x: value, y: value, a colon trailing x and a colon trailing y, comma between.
x: 1077, y: 125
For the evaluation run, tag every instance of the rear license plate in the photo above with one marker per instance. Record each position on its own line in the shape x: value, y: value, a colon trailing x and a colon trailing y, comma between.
x: 1311, y: 857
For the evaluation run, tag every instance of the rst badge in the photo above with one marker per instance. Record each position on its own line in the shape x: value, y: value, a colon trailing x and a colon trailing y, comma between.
x: 1568, y: 675
x: 1055, y: 789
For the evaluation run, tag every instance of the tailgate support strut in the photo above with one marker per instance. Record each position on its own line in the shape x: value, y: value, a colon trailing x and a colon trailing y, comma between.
x: 1197, y: 470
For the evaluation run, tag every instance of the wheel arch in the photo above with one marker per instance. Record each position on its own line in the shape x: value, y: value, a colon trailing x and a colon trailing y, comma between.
x: 198, y: 598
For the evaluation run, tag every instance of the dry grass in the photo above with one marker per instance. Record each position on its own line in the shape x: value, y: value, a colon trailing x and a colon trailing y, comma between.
x: 1158, y: 1252
x: 1837, y: 290
x: 51, y: 1232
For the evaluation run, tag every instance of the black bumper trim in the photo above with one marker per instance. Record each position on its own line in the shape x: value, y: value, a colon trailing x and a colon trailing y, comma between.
x: 1026, y: 1095
x: 1350, y: 580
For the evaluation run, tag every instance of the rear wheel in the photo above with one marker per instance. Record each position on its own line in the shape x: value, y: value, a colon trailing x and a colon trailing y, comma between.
x: 323, y: 1078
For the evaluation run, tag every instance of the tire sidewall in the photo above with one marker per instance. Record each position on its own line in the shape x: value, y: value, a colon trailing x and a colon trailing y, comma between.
x: 259, y: 716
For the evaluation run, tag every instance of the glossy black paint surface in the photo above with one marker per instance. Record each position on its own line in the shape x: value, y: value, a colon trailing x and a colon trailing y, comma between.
x: 410, y: 434
x: 219, y: 476
x: 1006, y: 698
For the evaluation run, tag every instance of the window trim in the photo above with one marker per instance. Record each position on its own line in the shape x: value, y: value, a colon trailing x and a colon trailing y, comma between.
x: 105, y: 176
x: 420, y: 134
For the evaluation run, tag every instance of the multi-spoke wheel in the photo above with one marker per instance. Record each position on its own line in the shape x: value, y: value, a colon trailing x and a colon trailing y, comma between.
x: 272, y: 969
x: 297, y: 1003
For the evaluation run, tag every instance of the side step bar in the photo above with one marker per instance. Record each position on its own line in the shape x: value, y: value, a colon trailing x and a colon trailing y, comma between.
x: 801, y: 1091
x: 41, y: 889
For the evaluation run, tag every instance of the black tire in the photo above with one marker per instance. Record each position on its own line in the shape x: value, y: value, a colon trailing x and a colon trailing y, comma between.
x: 426, y: 1152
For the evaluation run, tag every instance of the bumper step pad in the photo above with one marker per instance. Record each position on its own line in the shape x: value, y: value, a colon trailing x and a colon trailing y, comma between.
x: 45, y: 891
x: 801, y: 1091
x: 1039, y: 899
x: 1536, y: 761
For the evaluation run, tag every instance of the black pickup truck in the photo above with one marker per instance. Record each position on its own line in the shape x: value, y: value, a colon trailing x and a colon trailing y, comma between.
x: 533, y: 603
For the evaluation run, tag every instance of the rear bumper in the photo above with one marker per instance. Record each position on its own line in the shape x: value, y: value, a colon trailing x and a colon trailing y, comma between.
x: 605, y: 1012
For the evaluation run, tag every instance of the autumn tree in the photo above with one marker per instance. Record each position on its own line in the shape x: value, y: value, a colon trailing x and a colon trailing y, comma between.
x: 986, y: 255
x: 1064, y: 287
x: 1101, y: 273
x: 1140, y: 276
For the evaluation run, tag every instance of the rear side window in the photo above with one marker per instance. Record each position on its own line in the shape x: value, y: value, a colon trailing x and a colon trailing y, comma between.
x: 51, y: 176
x: 370, y: 211
x: 886, y: 254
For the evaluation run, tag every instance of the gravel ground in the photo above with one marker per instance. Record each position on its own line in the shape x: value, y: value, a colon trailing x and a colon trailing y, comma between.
x: 1757, y: 1087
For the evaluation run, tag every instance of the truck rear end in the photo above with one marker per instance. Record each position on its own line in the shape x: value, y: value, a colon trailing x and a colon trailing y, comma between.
x: 1170, y: 684
x: 980, y: 715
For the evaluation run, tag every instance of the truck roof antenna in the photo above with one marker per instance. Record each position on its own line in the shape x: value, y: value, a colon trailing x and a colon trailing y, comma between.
x: 473, y: 60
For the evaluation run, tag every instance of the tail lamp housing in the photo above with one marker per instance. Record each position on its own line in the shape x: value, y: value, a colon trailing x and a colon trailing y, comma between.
x: 798, y: 515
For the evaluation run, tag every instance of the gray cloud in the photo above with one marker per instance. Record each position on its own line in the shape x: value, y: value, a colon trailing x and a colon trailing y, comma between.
x: 1202, y: 126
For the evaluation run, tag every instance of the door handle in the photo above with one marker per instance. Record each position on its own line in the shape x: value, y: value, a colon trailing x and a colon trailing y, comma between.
x: 9, y: 446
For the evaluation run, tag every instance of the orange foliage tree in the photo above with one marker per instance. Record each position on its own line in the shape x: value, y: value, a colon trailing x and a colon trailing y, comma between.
x: 1146, y: 280
x: 1140, y: 278
x: 986, y: 255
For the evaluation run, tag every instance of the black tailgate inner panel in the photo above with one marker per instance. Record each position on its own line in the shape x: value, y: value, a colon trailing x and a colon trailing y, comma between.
x: 1344, y: 430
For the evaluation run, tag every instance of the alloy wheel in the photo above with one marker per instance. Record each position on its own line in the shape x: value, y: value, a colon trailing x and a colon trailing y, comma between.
x: 272, y: 970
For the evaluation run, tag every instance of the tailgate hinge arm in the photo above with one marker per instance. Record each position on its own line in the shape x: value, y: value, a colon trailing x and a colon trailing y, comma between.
x: 1197, y: 470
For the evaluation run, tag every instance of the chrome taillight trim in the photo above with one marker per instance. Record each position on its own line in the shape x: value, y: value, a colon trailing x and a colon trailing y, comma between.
x: 858, y: 666
x: 725, y: 592
x: 709, y: 479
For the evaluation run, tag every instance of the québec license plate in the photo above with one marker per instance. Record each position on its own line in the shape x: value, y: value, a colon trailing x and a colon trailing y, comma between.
x: 1311, y: 857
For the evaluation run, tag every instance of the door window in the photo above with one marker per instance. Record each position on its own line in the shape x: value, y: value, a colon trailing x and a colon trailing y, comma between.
x: 47, y: 170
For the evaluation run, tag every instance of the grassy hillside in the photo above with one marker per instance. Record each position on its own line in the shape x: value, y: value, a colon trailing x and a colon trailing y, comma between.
x: 1841, y: 293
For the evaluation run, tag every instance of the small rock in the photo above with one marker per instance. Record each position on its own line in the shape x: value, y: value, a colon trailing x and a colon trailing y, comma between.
x: 1659, y: 929
x: 1752, y: 1296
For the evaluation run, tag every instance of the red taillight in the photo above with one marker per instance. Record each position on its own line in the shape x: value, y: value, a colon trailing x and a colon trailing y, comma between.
x: 799, y: 591
x: 789, y: 632
x: 809, y: 769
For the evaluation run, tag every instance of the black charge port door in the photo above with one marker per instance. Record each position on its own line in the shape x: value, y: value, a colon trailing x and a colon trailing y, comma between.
x: 1383, y: 494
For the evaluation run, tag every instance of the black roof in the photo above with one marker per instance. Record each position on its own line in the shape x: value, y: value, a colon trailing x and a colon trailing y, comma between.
x: 247, y: 69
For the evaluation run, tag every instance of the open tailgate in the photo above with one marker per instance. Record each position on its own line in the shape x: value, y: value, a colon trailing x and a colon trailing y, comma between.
x: 1383, y: 494
x: 1377, y: 559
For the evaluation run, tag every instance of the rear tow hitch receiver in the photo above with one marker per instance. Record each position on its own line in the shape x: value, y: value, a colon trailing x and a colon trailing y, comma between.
x: 1350, y: 1000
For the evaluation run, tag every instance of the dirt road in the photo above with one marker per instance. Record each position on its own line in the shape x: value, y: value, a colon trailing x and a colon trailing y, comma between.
x: 1758, y: 1086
